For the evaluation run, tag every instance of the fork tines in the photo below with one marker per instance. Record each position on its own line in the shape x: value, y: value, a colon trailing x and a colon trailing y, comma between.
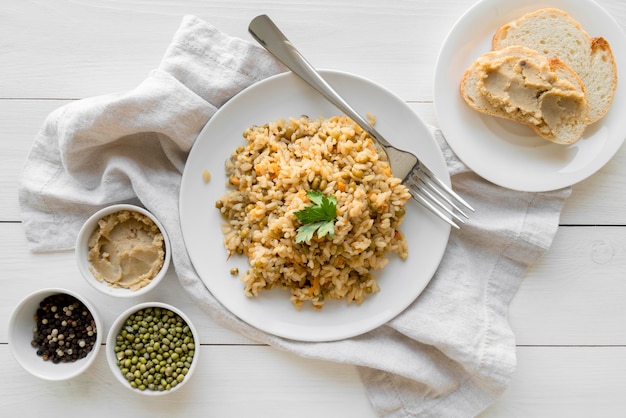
x: 428, y: 190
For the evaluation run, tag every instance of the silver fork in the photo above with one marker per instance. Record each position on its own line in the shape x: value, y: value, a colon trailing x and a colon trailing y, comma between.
x: 422, y: 183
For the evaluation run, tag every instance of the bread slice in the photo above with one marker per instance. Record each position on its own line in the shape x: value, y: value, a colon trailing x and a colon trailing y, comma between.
x: 522, y: 85
x: 554, y: 33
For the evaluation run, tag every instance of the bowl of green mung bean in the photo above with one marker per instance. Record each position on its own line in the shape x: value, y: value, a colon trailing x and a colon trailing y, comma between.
x: 55, y: 334
x: 151, y: 348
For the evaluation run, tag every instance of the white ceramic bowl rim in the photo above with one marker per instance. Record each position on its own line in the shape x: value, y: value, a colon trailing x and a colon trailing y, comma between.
x: 82, y: 249
x: 21, y: 327
x: 116, y: 328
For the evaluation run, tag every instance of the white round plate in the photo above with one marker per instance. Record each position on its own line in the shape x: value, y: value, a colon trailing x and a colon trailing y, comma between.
x: 507, y: 153
x: 283, y: 96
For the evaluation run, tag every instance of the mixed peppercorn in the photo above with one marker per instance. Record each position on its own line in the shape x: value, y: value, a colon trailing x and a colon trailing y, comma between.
x: 65, y: 329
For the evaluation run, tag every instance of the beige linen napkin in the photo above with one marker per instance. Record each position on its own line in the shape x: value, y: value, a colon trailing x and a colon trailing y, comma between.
x: 450, y: 354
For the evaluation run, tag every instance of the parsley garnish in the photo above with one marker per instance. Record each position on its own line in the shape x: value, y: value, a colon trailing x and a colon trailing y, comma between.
x: 320, y: 217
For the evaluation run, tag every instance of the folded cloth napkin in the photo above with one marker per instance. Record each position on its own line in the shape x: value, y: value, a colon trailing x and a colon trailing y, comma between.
x: 450, y: 354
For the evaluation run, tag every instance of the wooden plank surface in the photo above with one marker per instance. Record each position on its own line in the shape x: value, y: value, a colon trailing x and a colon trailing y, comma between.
x: 249, y: 381
x: 90, y: 48
x: 568, y: 315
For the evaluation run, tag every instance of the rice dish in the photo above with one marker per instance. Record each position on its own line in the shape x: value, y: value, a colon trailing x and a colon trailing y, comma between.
x: 267, y: 182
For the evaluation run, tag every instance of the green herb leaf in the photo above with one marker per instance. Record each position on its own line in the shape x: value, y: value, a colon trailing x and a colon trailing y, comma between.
x: 327, y: 227
x: 315, y: 196
x: 305, y: 232
x: 319, y: 217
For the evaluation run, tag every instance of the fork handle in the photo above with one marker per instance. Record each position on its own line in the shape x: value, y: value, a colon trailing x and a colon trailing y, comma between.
x: 263, y: 29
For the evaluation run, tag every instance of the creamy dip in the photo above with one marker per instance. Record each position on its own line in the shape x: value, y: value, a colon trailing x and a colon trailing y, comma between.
x: 126, y: 250
x: 529, y: 89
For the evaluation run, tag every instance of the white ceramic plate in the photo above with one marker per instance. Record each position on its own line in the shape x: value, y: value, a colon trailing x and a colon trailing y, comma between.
x: 283, y: 96
x: 506, y: 153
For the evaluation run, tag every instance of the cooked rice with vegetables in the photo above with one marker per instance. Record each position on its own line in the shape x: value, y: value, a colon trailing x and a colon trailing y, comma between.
x: 314, y: 206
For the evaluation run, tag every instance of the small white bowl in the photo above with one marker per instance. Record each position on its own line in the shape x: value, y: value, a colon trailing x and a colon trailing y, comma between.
x: 21, y: 327
x: 82, y: 250
x: 118, y: 326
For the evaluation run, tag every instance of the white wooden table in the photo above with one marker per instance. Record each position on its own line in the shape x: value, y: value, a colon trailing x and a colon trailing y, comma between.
x: 569, y: 315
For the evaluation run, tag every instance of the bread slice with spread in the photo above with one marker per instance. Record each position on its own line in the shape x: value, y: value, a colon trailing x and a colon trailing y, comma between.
x: 520, y: 84
x: 553, y: 33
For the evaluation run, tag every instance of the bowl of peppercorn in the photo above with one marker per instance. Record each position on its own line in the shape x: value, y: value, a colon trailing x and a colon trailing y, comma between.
x: 151, y: 348
x: 55, y: 334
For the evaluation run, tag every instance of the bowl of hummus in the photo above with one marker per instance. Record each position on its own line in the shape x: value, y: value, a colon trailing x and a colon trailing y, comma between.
x: 123, y: 250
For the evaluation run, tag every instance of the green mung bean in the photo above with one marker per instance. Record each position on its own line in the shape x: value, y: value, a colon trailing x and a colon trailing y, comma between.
x: 154, y: 349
